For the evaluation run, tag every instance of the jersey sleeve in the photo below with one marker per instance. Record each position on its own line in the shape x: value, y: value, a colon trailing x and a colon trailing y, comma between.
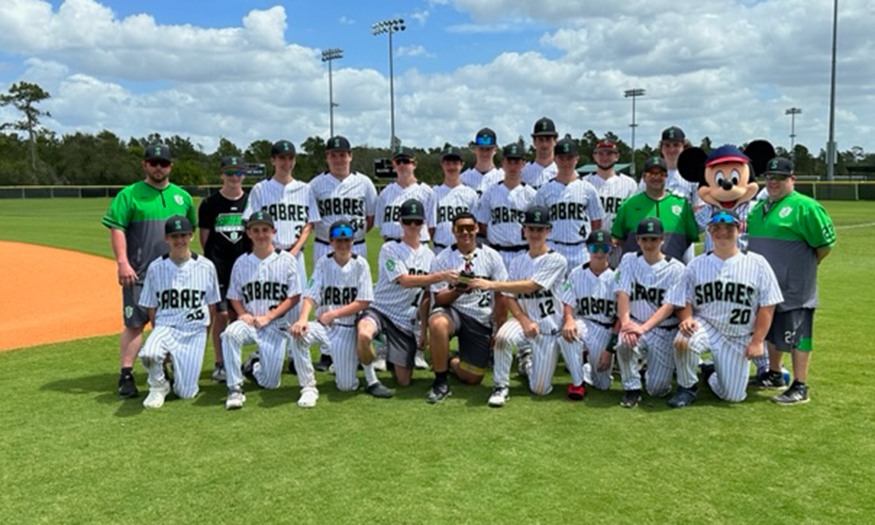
x: 314, y: 284
x: 770, y: 290
x: 206, y: 217
x: 623, y: 275
x: 439, y: 264
x: 540, y: 196
x: 253, y: 203
x: 594, y: 209
x: 236, y: 284
x: 191, y: 212
x: 391, y: 263
x: 431, y: 209
x: 312, y: 207
x: 817, y: 227
x: 365, y: 286
x: 370, y: 198
x: 213, y: 295
x: 566, y: 295
x: 617, y: 228
x: 499, y: 272
x: 120, y: 212
x: 682, y: 294
x: 379, y: 205
x: 481, y: 209
x: 549, y: 270
x: 148, y: 298
x: 294, y: 279
x: 691, y: 229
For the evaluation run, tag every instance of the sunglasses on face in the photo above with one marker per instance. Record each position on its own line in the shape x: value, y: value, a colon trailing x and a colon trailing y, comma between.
x: 403, y: 161
x: 776, y: 177
x: 465, y: 228
x: 156, y: 163
x: 595, y: 248
x: 411, y: 222
x: 235, y: 173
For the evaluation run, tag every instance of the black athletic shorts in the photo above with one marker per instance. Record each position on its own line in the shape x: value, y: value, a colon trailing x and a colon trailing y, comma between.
x: 134, y: 315
x: 400, y: 345
x: 792, y: 330
x: 473, y: 339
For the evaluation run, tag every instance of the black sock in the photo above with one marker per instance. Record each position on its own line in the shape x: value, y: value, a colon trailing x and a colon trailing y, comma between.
x: 220, y: 364
x: 127, y: 370
x: 799, y: 383
x: 440, y: 378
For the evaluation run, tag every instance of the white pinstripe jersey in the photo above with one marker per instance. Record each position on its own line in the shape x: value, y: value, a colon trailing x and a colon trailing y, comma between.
x: 451, y: 202
x: 591, y: 296
x: 536, y: 175
x: 394, y: 301
x: 502, y: 210
x: 543, y: 306
x: 572, y: 206
x: 181, y: 295
x: 262, y: 284
x: 291, y: 206
x: 477, y: 180
x: 389, y: 208
x: 333, y: 286
x: 353, y: 199
x: 612, y: 192
x: 678, y: 185
x: 728, y: 293
x: 486, y: 264
x: 648, y: 286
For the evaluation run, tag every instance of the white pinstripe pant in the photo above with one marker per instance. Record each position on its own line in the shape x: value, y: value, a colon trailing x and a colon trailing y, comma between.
x: 341, y: 340
x: 731, y: 367
x: 657, y: 346
x: 187, y: 351
x: 545, y: 355
x: 594, y: 338
x: 272, y: 342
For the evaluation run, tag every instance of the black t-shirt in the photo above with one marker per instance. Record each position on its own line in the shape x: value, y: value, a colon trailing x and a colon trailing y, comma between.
x: 227, y: 240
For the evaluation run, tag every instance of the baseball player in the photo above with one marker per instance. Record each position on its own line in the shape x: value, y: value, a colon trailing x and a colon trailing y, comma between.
x: 404, y: 187
x: 452, y: 198
x: 136, y: 220
x: 462, y: 312
x: 726, y: 300
x: 484, y: 173
x: 399, y: 298
x: 575, y: 208
x: 674, y: 213
x: 339, y: 289
x: 647, y: 322
x: 223, y: 239
x: 795, y: 234
x: 613, y: 188
x: 180, y: 294
x: 590, y: 309
x: 264, y: 288
x: 542, y: 169
x: 533, y: 298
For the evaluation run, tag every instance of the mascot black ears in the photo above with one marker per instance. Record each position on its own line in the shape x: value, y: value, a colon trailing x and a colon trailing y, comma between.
x: 727, y: 176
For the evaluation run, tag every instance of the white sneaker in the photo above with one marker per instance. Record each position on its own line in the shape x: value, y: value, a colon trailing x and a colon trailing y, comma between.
x: 235, y: 399
x: 419, y: 361
x: 308, y: 398
x: 331, y: 370
x: 380, y: 364
x: 156, y: 396
x: 587, y: 373
x: 499, y: 397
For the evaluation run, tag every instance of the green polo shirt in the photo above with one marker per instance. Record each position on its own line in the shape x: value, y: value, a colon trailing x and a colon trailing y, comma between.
x: 675, y: 213
x: 788, y: 234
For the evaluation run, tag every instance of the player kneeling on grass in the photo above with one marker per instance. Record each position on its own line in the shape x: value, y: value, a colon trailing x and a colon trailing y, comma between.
x: 398, y: 299
x: 647, y: 322
x: 264, y: 288
x: 461, y: 311
x: 591, y: 310
x: 727, y: 298
x: 532, y: 296
x: 180, y: 294
x: 341, y: 288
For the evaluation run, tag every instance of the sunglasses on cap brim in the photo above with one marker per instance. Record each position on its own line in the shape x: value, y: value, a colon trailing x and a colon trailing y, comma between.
x: 723, y: 218
x: 341, y: 233
x: 595, y: 248
x: 235, y: 173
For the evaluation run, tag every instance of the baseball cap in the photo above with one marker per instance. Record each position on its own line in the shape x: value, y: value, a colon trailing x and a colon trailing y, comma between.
x: 673, y: 133
x: 412, y: 209
x: 725, y: 153
x: 337, y: 143
x: 177, y: 224
x: 513, y: 151
x: 728, y: 216
x: 341, y: 230
x: 544, y: 127
x: 282, y: 147
x: 537, y: 216
x: 649, y: 227
x: 402, y: 152
x: 451, y: 152
x: 655, y: 162
x: 485, y: 137
x: 157, y: 152
x: 598, y: 237
x: 779, y: 166
x: 606, y: 145
x: 232, y: 162
x: 565, y: 146
x: 260, y: 217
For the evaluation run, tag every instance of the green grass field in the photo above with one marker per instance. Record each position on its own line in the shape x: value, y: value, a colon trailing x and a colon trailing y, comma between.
x: 72, y: 452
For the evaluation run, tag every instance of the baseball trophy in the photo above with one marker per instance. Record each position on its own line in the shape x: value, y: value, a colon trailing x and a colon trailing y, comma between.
x: 466, y: 274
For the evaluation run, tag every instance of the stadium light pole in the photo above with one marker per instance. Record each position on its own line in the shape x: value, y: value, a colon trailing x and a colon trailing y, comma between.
x: 831, y: 145
x: 793, y: 112
x: 389, y: 27
x: 633, y: 93
x: 327, y: 56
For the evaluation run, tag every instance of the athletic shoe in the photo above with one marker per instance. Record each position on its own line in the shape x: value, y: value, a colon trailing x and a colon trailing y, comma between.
x: 587, y: 373
x: 323, y: 363
x: 219, y: 373
x: 248, y: 367
x: 707, y: 371
x: 380, y: 364
x: 309, y: 396
x: 684, y: 397
x: 419, y: 360
x: 499, y: 397
x: 378, y: 389
x: 331, y: 370
x: 438, y: 393
x: 127, y: 386
x: 524, y: 363
x: 768, y: 381
x: 575, y: 393
x: 235, y: 399
x: 156, y: 396
x: 797, y: 394
x: 290, y: 368
x: 631, y: 398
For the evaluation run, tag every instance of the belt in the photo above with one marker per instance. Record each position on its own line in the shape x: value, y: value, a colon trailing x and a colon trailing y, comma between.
x: 578, y: 243
x: 320, y: 241
x: 391, y: 239
x: 441, y: 246
x: 605, y: 325
x: 517, y: 248
x: 671, y: 327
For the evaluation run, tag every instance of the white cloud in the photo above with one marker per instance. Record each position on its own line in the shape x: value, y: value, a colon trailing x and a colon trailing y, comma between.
x: 413, y: 51
x: 420, y: 15
x: 346, y: 21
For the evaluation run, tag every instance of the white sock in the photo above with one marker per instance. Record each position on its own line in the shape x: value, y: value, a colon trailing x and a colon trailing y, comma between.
x: 370, y: 374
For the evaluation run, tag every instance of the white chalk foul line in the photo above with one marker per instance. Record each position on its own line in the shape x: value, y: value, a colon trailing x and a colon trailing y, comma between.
x: 851, y: 226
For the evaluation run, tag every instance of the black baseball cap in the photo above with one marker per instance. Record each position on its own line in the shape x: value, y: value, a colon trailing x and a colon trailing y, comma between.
x: 655, y: 162
x: 403, y: 152
x: 157, y: 152
x: 337, y: 143
x: 232, y: 162
x: 537, y: 216
x: 649, y: 227
x: 779, y: 166
x: 260, y: 217
x: 486, y: 138
x: 598, y: 237
x: 341, y: 230
x: 544, y: 127
x: 282, y: 147
x: 565, y: 146
x: 177, y: 224
x: 451, y: 152
x: 728, y: 216
x: 673, y: 133
x: 514, y: 151
x: 412, y: 209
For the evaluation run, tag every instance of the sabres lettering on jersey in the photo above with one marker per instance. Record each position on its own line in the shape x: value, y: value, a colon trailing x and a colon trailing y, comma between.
x: 652, y: 295
x: 392, y: 213
x: 568, y: 211
x: 730, y: 292
x: 611, y: 204
x: 342, y: 206
x: 287, y: 212
x: 416, y: 271
x: 537, y: 294
x: 448, y: 213
x: 596, y: 306
x: 267, y: 291
x: 181, y: 298
x: 332, y: 295
x: 502, y: 214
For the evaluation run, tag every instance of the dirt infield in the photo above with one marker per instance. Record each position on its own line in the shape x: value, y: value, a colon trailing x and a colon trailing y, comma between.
x: 52, y: 295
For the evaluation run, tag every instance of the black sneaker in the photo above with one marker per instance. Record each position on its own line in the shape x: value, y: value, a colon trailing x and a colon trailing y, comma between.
x: 219, y: 373
x: 291, y: 367
x: 380, y: 390
x: 631, y: 398
x: 127, y: 387
x: 707, y: 372
x: 323, y: 364
x: 248, y: 367
x: 768, y: 380
x: 795, y: 395
x: 438, y: 393
x: 684, y: 397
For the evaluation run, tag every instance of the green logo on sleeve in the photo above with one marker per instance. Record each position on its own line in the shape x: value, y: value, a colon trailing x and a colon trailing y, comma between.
x: 390, y: 264
x: 310, y: 282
